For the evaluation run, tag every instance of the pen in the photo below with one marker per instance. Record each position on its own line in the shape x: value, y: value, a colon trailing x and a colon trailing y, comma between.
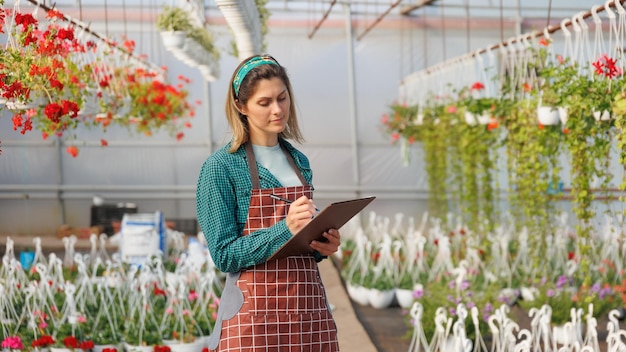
x: 273, y: 196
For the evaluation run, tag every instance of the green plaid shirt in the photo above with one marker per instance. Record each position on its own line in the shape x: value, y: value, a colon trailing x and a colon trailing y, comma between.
x: 222, y: 201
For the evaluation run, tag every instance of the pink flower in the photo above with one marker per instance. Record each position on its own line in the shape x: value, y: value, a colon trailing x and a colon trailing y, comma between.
x: 192, y: 295
x: 13, y: 343
x: 169, y: 310
x: 451, y: 109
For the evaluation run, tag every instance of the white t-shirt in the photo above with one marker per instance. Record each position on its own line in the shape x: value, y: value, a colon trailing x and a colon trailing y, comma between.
x: 275, y: 160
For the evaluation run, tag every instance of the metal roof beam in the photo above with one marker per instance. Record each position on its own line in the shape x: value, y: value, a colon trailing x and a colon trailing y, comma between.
x: 410, y: 8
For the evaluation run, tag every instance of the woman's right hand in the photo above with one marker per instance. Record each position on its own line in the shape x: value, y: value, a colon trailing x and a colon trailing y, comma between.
x: 301, y: 211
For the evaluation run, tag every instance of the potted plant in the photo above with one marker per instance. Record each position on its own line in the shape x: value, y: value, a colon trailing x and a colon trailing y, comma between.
x: 41, y: 79
x: 174, y: 24
x: 48, y: 85
x: 190, y: 43
x: 381, y: 287
x: 107, y: 317
x: 478, y: 109
x: 532, y: 161
x: 155, y: 103
x: 141, y: 332
x: 436, y: 137
x: 43, y: 343
x: 553, y: 77
x: 619, y: 114
x: 12, y: 343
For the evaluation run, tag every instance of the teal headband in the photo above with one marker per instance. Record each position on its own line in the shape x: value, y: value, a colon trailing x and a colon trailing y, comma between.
x: 248, y: 66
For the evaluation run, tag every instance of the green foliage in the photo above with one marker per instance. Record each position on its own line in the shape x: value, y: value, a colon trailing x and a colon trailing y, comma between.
x: 174, y: 18
x: 442, y: 294
x: 460, y: 160
x: 563, y: 296
x: 205, y: 39
x: 619, y: 111
x: 533, y: 169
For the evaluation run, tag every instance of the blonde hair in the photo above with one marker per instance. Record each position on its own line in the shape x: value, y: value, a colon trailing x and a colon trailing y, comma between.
x: 238, y: 122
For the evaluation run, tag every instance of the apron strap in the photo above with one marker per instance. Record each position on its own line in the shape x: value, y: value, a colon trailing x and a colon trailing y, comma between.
x: 254, y: 171
x: 293, y: 164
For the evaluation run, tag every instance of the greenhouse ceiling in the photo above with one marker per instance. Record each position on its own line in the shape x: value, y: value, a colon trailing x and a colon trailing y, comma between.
x: 449, y: 8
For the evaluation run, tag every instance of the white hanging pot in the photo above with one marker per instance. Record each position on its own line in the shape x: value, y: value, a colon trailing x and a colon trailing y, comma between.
x: 21, y: 105
x: 131, y: 348
x: 195, y: 346
x: 173, y: 40
x: 100, y: 348
x: 563, y: 115
x: 404, y: 297
x: 358, y: 294
x: 548, y: 115
x: 605, y: 115
x: 483, y: 119
x: 419, y: 119
x: 63, y: 349
x: 470, y: 118
x: 380, y: 299
x: 565, y: 334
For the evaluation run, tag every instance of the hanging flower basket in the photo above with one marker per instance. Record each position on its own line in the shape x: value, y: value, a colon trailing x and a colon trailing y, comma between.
x: 54, y: 80
x: 604, y: 115
x: 548, y: 115
x: 173, y: 40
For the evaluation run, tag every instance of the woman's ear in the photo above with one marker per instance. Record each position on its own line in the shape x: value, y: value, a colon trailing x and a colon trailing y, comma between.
x: 240, y: 107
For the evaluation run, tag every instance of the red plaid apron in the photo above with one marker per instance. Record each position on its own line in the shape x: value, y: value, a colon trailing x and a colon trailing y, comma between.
x: 284, y: 301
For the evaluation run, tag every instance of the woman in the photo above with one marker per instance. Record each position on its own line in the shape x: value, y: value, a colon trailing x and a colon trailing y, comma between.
x: 276, y: 305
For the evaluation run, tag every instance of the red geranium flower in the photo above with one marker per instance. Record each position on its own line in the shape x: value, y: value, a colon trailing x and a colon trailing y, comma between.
x: 478, y: 86
x: 72, y: 150
x: 70, y: 342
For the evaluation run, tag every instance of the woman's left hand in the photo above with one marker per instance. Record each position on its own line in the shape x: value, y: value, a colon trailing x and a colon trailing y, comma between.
x: 331, y: 246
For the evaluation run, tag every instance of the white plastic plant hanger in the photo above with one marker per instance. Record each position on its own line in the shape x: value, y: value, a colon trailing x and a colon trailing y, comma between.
x: 620, y: 32
x: 599, y: 47
x: 503, y: 67
x: 517, y: 63
x: 483, y: 72
x: 581, y: 50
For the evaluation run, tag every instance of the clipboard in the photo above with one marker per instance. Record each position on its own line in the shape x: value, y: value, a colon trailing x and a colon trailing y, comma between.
x: 333, y: 216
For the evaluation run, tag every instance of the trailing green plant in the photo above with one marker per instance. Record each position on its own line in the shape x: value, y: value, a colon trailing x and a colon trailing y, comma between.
x: 173, y: 18
x: 474, y: 158
x: 205, y: 39
x: 435, y: 137
x: 619, y: 113
x: 588, y: 139
x: 460, y: 158
x: 532, y: 157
